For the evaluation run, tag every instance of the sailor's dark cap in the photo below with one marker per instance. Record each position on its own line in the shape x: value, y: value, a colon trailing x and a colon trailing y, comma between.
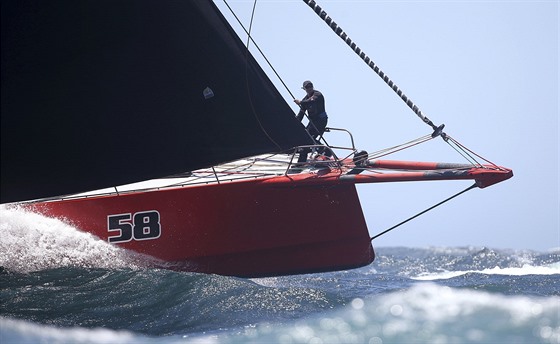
x: 306, y: 84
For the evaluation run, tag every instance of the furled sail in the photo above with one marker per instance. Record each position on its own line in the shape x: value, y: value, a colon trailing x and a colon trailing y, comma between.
x: 101, y: 93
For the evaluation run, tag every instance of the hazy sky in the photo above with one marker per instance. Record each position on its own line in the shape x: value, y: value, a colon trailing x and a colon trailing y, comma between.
x: 488, y: 70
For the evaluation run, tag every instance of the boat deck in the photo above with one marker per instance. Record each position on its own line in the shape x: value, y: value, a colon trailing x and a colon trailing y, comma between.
x: 277, y: 165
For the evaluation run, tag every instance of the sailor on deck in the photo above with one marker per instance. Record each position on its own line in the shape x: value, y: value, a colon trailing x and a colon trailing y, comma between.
x: 314, y: 104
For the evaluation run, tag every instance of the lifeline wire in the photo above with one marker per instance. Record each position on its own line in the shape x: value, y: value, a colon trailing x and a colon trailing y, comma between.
x: 338, y: 30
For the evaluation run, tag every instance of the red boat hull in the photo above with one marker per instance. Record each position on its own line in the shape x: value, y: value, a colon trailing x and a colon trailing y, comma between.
x: 262, y: 227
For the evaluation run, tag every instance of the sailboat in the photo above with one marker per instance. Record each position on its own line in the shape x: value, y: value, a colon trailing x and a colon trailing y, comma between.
x: 190, y: 147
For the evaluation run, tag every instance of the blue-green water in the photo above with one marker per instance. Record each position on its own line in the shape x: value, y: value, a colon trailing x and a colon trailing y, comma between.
x: 59, y: 285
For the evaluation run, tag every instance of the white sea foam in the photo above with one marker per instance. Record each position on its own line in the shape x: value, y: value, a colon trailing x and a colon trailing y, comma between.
x: 551, y: 269
x: 31, y: 242
x: 425, y: 313
x: 14, y: 331
x: 18, y: 331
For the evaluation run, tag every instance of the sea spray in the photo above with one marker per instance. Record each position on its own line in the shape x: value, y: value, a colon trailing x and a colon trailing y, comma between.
x: 32, y: 242
x: 23, y: 332
x: 62, y: 285
x: 551, y: 269
x: 424, y: 313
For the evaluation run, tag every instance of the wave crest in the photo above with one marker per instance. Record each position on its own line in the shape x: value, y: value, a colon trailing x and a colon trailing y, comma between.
x: 552, y: 269
x: 32, y: 242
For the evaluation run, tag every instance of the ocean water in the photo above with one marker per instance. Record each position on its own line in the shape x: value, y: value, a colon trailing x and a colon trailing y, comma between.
x: 59, y: 285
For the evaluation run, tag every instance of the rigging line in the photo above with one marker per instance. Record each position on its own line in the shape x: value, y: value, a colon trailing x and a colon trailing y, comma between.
x: 249, y: 37
x: 259, y: 49
x: 423, y: 212
x: 398, y: 149
x: 405, y: 145
x: 359, y: 163
x: 247, y: 80
x: 467, y: 149
x: 462, y: 152
x: 380, y: 155
x: 338, y: 30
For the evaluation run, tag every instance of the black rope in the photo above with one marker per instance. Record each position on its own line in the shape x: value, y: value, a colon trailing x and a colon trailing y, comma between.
x: 338, y: 30
x: 423, y: 212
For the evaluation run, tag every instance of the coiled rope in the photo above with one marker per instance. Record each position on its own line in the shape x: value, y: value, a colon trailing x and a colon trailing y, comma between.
x: 438, y: 130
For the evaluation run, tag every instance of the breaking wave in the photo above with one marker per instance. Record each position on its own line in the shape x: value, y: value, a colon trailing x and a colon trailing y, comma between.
x: 424, y: 313
x: 60, y: 285
x: 552, y: 269
x: 32, y: 242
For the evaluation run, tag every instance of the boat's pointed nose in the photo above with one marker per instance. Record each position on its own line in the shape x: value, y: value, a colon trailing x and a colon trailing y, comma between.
x: 485, y: 178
